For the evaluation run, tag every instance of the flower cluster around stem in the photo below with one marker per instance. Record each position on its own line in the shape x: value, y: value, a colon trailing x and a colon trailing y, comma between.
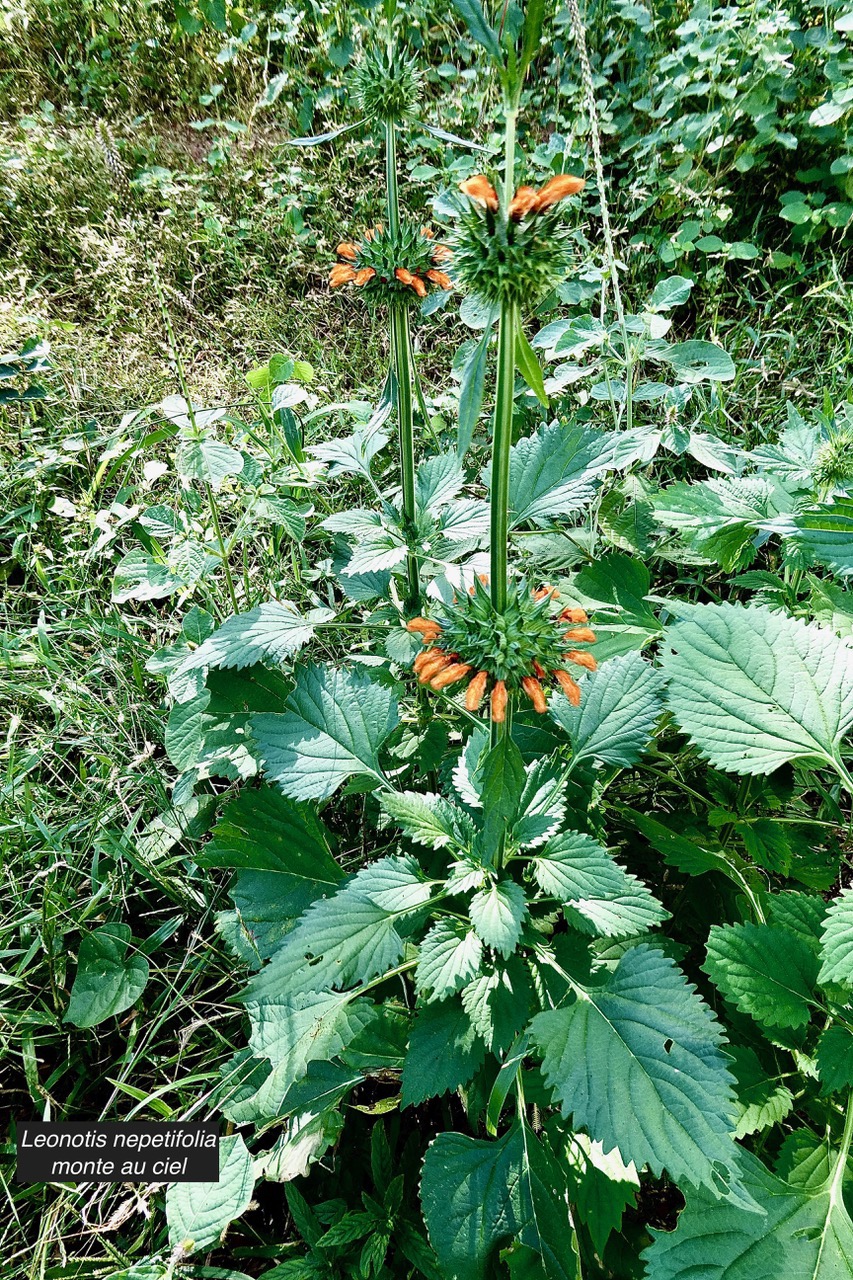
x: 517, y: 255
x: 393, y: 268
x: 519, y: 649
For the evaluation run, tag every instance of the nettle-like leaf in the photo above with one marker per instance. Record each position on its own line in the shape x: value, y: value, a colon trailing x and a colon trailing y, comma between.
x: 542, y: 804
x: 651, y: 1077
x: 199, y: 1212
x: 555, y: 472
x: 292, y: 1031
x: 619, y: 708
x: 498, y: 1002
x: 497, y: 913
x: 601, y: 897
x: 837, y: 941
x: 111, y: 976
x: 439, y: 480
x: 477, y: 1194
x: 834, y: 1058
x: 823, y: 534
x: 334, y: 725
x: 444, y: 1052
x: 755, y: 690
x: 427, y: 818
x: 271, y: 632
x: 602, y: 1186
x: 767, y: 971
x: 449, y: 957
x: 718, y: 518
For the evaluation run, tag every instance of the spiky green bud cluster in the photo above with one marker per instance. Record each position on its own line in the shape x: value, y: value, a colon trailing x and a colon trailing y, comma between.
x: 834, y: 465
x: 504, y: 261
x: 509, y: 645
x: 392, y: 268
x: 386, y: 86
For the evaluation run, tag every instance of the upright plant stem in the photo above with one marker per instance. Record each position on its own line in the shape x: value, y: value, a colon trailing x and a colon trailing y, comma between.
x: 499, y: 531
x: 392, y: 199
x: 401, y: 346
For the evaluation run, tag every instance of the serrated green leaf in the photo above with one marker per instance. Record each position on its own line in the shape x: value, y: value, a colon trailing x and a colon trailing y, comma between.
x: 497, y: 914
x: 427, y: 818
x: 834, y: 1057
x: 262, y: 830
x: 292, y: 1031
x: 718, y: 518
x: 449, y: 957
x: 444, y: 1052
x: 109, y: 979
x: 438, y: 482
x: 555, y: 472
x: 644, y: 1034
x: 333, y: 727
x: 601, y: 1186
x: 603, y: 897
x: 271, y: 632
x: 765, y: 970
x: 755, y: 690
x: 541, y: 805
x: 209, y: 461
x: 837, y: 941
x: 199, y: 1212
x: 698, y: 361
x: 677, y: 850
x: 824, y: 534
x: 761, y: 1099
x: 498, y: 1003
x: 619, y: 708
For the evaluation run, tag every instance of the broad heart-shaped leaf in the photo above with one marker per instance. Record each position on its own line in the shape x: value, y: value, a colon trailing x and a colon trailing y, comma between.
x: 449, y: 957
x: 767, y: 971
x: 444, y: 1052
x: 603, y: 897
x: 109, y: 977
x: 554, y: 473
x: 477, y: 1195
x: 439, y: 480
x: 837, y: 941
x: 619, y: 708
x: 198, y: 1212
x: 698, y: 361
x: 638, y: 1063
x: 497, y: 914
x: 272, y: 631
x: 725, y: 1242
x: 755, y: 690
x: 333, y: 727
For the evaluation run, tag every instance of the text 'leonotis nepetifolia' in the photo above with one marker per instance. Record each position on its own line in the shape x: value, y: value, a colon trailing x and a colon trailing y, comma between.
x: 515, y: 256
x: 514, y: 650
x: 393, y: 268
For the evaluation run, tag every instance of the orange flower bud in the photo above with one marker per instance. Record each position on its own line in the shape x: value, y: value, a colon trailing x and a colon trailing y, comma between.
x: 570, y: 688
x: 574, y: 614
x: 542, y: 592
x: 404, y: 276
x: 481, y: 191
x: 347, y: 251
x: 419, y: 286
x: 556, y: 189
x: 582, y: 634
x: 475, y: 691
x: 523, y: 202
x: 340, y: 274
x: 441, y: 253
x: 539, y: 669
x: 498, y: 702
x: 438, y: 660
x: 582, y: 659
x: 422, y: 625
x: 422, y: 659
x: 450, y: 675
x: 533, y: 689
x: 364, y: 275
x: 368, y: 235
x: 441, y: 278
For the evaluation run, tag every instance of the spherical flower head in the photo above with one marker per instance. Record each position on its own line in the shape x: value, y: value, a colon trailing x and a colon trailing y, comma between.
x: 517, y: 256
x: 834, y: 465
x: 392, y: 269
x: 519, y: 650
x: 386, y: 86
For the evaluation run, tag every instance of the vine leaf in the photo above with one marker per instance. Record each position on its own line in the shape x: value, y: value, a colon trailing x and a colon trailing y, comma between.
x: 755, y: 689
x: 333, y: 726
x: 619, y: 708
x: 647, y: 1037
x: 109, y: 979
x: 767, y: 971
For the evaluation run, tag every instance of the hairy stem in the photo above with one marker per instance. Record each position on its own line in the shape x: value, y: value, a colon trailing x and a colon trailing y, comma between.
x: 401, y: 345
x: 502, y: 442
x: 392, y: 199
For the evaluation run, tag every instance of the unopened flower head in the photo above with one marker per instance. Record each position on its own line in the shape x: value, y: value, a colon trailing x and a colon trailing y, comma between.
x: 517, y: 256
x: 523, y: 649
x: 386, y: 86
x: 390, y: 268
x: 833, y: 468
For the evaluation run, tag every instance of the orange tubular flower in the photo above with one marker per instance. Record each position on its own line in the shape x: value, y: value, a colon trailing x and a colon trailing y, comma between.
x: 556, y: 189
x: 481, y: 191
x: 347, y: 250
x: 583, y: 635
x: 340, y: 274
x: 582, y: 659
x: 364, y: 275
x: 441, y: 278
x: 437, y: 661
x: 422, y: 625
x: 450, y: 675
x: 570, y: 687
x: 421, y: 660
x: 441, y: 253
x: 428, y: 233
x: 523, y: 202
x: 475, y: 691
x: 419, y: 287
x: 533, y: 689
x: 498, y: 702
x: 574, y: 615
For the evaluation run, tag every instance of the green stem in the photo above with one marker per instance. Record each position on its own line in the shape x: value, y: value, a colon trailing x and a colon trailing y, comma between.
x: 499, y: 529
x: 223, y: 553
x: 509, y: 154
x: 392, y: 199
x: 401, y: 343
